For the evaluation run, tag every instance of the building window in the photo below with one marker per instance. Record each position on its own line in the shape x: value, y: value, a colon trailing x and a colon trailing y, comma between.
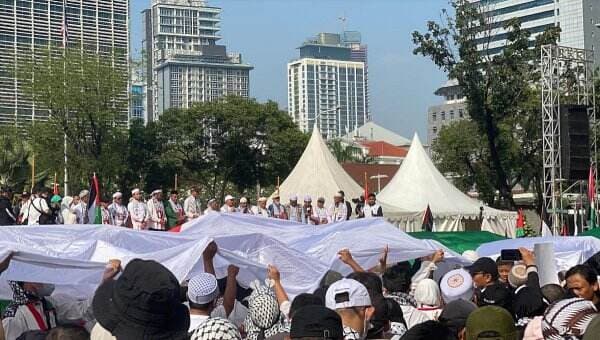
x: 451, y: 114
x: 434, y: 130
x: 460, y: 113
x: 443, y: 115
x: 434, y: 116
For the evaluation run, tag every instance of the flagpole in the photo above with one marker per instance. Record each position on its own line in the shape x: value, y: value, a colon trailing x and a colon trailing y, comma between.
x: 32, y: 173
x: 65, y: 35
x: 175, y: 181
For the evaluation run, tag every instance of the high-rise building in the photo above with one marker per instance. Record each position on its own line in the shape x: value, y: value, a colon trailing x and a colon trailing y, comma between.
x: 452, y: 109
x: 184, y: 62
x: 28, y: 27
x: 327, y: 85
x: 577, y: 20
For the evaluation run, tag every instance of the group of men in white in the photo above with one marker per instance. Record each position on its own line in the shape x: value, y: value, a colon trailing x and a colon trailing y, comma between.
x: 158, y: 214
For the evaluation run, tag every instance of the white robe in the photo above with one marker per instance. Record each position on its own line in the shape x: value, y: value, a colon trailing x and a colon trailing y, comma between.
x: 119, y: 214
x: 191, y: 208
x: 139, y: 214
x: 156, y: 215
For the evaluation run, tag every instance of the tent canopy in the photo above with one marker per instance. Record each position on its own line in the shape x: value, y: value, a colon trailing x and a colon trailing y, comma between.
x: 418, y: 183
x: 459, y: 241
x: 318, y: 174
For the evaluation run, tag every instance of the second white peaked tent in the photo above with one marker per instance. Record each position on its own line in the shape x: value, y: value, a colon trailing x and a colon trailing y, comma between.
x: 418, y: 183
x: 318, y: 174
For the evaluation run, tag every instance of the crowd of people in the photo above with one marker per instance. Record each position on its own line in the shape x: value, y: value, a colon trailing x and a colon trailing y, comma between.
x: 158, y: 213
x: 490, y: 299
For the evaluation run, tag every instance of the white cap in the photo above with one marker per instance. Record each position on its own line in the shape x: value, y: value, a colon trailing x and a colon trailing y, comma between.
x: 117, y: 195
x: 203, y: 288
x: 262, y: 199
x: 294, y: 198
x: 518, y: 275
x: 83, y: 193
x: 347, y: 293
x: 307, y: 198
x: 243, y: 200
x: 135, y: 191
x: 457, y: 284
x: 212, y: 200
x: 470, y: 255
x: 157, y: 191
x: 229, y: 197
x: 337, y: 194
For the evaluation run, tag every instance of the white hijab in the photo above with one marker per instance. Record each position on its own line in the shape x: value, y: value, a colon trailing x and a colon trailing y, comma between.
x: 428, y: 293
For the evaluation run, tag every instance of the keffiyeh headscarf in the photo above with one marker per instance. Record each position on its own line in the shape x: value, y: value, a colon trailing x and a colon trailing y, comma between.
x: 216, y: 329
x: 567, y: 319
x: 20, y: 298
x: 264, y: 318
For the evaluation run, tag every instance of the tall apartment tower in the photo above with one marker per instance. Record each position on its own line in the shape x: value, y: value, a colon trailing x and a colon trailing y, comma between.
x: 576, y: 18
x: 452, y: 109
x: 184, y: 62
x: 327, y: 85
x: 30, y: 27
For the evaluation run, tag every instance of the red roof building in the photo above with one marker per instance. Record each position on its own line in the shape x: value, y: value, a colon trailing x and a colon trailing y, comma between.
x: 384, y: 171
x: 383, y: 152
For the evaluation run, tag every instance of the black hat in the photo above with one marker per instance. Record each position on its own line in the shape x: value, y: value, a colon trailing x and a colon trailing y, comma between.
x: 484, y: 265
x: 455, y: 314
x: 143, y: 303
x: 316, y: 322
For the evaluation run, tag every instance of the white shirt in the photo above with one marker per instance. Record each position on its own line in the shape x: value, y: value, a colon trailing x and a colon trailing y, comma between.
x: 371, y: 210
x: 256, y: 210
x: 138, y: 212
x: 119, y: 214
x: 40, y: 204
x: 338, y: 212
x: 413, y: 316
x: 156, y: 214
x: 237, y: 315
x: 67, y: 310
x: 321, y: 214
x: 228, y: 210
x: 80, y: 210
x: 191, y: 207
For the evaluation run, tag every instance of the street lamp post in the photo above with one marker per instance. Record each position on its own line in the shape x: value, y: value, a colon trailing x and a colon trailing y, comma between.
x: 318, y: 116
x: 379, y: 177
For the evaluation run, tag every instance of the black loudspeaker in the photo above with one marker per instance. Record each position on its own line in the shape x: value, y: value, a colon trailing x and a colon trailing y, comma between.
x: 574, y: 142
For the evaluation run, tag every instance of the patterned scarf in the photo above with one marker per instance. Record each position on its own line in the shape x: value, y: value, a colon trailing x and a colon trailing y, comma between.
x: 402, y: 299
x: 264, y: 318
x: 20, y: 298
x: 567, y: 319
x: 216, y: 328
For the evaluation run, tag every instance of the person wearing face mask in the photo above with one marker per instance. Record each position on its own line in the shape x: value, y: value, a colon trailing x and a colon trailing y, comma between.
x: 34, y: 308
x: 350, y: 299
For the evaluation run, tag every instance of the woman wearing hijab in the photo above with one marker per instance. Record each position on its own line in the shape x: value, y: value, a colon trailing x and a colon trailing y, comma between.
x: 428, y: 297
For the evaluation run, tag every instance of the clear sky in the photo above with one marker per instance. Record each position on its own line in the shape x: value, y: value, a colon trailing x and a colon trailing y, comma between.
x: 267, y: 33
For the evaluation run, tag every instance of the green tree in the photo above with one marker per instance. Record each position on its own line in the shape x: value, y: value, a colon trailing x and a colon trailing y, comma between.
x: 233, y: 142
x: 344, y: 153
x: 83, y: 95
x: 500, y: 90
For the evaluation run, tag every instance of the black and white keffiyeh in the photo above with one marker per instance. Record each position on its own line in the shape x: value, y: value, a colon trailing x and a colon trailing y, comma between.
x: 20, y: 298
x: 567, y: 319
x: 216, y: 329
x: 264, y: 318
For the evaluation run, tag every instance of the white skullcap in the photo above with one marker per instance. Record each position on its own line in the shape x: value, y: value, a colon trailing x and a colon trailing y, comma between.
x: 135, y: 191
x: 293, y: 198
x: 229, y: 197
x: 457, y: 284
x: 307, y: 198
x: 157, y: 191
x: 203, y: 288
x: 117, y: 195
x: 243, y: 200
x: 337, y: 194
x: 83, y: 193
x: 262, y: 199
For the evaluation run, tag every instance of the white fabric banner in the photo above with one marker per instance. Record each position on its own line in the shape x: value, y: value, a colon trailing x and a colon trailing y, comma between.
x: 74, y: 257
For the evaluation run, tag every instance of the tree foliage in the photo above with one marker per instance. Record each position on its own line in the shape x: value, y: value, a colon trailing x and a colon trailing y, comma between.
x: 83, y: 95
x: 502, y: 97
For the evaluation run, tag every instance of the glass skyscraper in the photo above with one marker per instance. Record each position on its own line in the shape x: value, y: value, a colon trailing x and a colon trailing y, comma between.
x: 30, y: 26
x: 327, y: 85
x: 184, y: 62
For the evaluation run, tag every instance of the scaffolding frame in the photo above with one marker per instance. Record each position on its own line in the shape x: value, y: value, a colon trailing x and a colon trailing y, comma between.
x: 558, y: 65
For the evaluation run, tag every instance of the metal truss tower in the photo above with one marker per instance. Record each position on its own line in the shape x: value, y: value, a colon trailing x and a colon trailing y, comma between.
x: 567, y: 78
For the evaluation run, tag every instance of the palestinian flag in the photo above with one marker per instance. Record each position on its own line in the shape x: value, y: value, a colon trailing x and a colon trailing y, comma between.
x: 592, y: 199
x: 427, y: 220
x: 520, y: 224
x: 93, y: 211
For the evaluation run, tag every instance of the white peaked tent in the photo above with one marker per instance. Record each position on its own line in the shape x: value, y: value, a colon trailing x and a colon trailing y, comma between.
x: 418, y: 183
x: 318, y: 174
